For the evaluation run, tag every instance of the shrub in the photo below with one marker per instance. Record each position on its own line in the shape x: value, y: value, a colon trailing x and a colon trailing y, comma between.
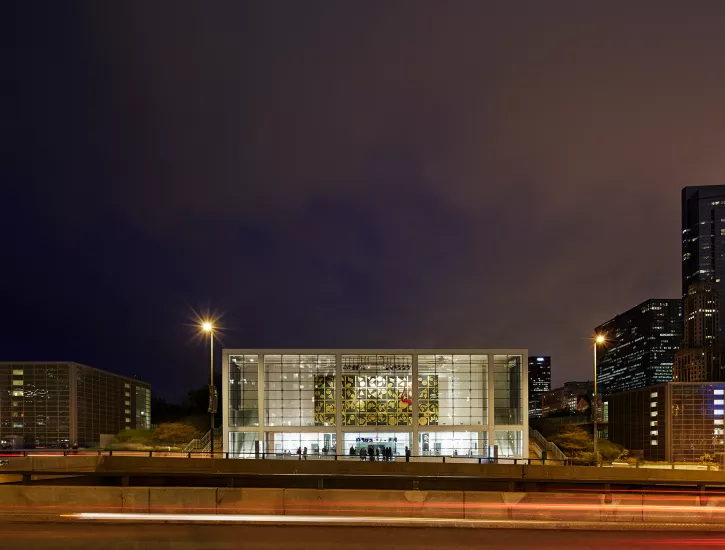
x: 173, y: 433
x: 609, y: 451
x: 137, y: 437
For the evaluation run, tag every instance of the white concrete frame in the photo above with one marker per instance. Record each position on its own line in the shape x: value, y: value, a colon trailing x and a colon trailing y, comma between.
x: 413, y: 429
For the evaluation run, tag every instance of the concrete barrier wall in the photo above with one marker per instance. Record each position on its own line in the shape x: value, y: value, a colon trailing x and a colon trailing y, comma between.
x: 353, y: 467
x: 492, y: 506
x: 52, y: 463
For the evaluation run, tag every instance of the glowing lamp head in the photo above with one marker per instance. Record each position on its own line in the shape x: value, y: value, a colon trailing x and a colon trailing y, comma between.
x: 207, y: 326
x: 600, y: 339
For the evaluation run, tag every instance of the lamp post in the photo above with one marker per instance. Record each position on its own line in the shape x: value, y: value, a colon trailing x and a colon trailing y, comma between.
x: 207, y: 327
x: 595, y: 408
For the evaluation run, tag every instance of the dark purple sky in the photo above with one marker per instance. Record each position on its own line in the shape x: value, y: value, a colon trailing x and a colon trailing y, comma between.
x: 397, y: 174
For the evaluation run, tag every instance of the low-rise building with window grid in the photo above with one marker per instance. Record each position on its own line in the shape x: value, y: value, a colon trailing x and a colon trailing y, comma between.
x: 672, y: 422
x: 57, y: 404
x: 435, y: 402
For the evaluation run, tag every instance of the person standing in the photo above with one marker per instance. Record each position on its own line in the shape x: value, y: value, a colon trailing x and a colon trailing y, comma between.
x: 299, y: 453
x: 304, y: 453
x: 407, y: 454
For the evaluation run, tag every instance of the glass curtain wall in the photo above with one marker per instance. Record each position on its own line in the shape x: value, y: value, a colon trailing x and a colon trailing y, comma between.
x: 510, y: 442
x: 299, y: 390
x: 453, y: 443
x: 243, y: 390
x: 143, y: 407
x: 303, y: 397
x: 377, y: 390
x: 35, y: 404
x: 281, y: 444
x: 452, y: 390
x: 395, y: 441
x: 241, y: 444
x: 698, y: 421
x: 104, y: 405
x: 508, y: 405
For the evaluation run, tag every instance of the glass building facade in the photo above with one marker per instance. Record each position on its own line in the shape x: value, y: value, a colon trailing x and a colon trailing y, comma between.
x: 58, y: 404
x: 674, y: 422
x: 703, y: 241
x: 640, y: 346
x: 539, y: 382
x: 435, y: 402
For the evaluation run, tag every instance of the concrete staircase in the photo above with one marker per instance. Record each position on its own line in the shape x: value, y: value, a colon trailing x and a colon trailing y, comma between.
x: 552, y: 451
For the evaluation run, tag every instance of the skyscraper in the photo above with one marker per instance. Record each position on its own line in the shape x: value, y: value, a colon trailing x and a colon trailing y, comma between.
x: 539, y: 382
x: 699, y: 359
x: 640, y: 346
x: 703, y: 240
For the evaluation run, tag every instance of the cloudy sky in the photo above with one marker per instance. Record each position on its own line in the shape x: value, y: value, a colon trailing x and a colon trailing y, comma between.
x: 347, y: 174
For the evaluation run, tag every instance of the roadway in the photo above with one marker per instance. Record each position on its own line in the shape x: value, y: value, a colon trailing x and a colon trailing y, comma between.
x: 71, y: 536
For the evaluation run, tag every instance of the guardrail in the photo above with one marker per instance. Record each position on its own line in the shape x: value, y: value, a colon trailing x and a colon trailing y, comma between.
x: 279, y: 456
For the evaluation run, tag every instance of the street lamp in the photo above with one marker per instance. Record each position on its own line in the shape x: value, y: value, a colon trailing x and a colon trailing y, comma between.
x: 207, y: 327
x: 595, y: 409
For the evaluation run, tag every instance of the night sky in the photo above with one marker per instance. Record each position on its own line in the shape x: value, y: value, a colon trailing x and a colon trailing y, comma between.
x: 346, y: 174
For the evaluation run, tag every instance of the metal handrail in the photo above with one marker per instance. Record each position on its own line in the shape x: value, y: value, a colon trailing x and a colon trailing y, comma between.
x: 19, y: 453
x: 550, y: 447
x: 201, y: 443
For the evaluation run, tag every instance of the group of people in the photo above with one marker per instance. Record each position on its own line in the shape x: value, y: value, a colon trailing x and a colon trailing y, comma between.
x: 372, y: 453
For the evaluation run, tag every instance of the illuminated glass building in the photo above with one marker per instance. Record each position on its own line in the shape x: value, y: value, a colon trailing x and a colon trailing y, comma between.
x: 703, y: 240
x: 673, y: 422
x: 436, y: 402
x: 58, y: 404
x: 700, y: 356
x: 539, y: 382
x: 640, y: 346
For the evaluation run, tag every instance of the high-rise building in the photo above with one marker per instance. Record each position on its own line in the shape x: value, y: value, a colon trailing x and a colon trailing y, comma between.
x: 699, y: 358
x: 539, y: 382
x: 58, y: 404
x: 703, y: 239
x: 640, y: 346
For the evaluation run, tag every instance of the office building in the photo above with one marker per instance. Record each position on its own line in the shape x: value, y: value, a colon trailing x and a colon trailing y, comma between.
x: 700, y: 357
x: 703, y: 240
x: 539, y: 382
x: 673, y: 422
x: 571, y: 398
x: 436, y: 402
x: 640, y: 346
x: 60, y: 403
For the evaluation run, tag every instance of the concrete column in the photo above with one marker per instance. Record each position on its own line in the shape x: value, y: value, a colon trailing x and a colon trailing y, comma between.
x: 73, y: 404
x: 491, y: 402
x: 525, y: 403
x: 338, y: 404
x: 225, y: 401
x: 260, y: 399
x: 667, y: 418
x: 415, y: 451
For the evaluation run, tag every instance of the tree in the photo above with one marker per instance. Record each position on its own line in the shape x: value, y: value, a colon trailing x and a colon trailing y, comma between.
x: 573, y: 440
